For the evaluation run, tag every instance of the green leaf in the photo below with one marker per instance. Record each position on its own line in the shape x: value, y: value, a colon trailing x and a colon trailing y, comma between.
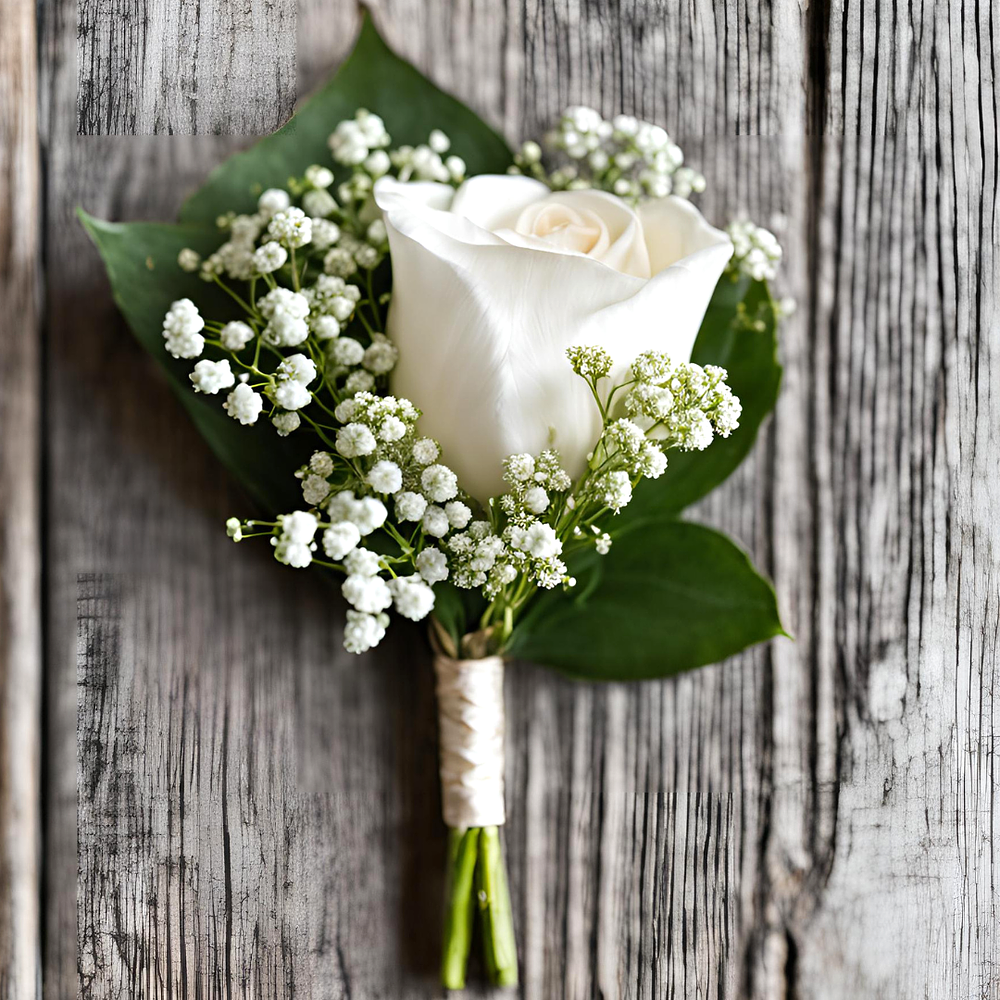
x: 141, y: 261
x: 457, y: 610
x: 372, y: 77
x: 739, y: 333
x: 669, y: 597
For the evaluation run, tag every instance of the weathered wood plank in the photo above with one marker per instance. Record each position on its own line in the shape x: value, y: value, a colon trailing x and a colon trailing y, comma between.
x: 888, y: 458
x: 20, y: 504
x: 185, y: 67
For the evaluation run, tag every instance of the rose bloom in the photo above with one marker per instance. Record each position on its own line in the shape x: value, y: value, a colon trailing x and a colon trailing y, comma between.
x: 491, y: 284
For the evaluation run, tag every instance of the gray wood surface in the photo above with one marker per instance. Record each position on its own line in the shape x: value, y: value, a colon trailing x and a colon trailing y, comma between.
x: 258, y: 813
x: 184, y: 67
x: 20, y: 541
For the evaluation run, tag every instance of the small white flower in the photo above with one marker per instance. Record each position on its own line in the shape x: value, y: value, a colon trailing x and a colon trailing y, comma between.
x: 614, y: 489
x: 325, y: 327
x: 346, y: 411
x: 315, y: 489
x: 359, y: 381
x: 425, y: 451
x: 392, y: 429
x: 234, y: 529
x: 439, y: 142
x: 362, y: 562
x: 377, y: 164
x: 539, y: 540
x: 181, y: 329
x: 590, y: 362
x: 340, y: 262
x: 292, y: 227
x: 381, y: 357
x: 355, y: 440
x: 294, y: 545
x: 385, y: 477
x: 346, y: 351
x: 340, y: 539
x: 273, y: 200
x: 341, y: 506
x: 295, y: 554
x: 291, y: 395
x: 439, y: 483
x: 376, y: 233
x: 367, y: 257
x: 435, y: 521
x: 286, y: 330
x: 319, y: 176
x: 284, y: 300
x: 603, y: 544
x: 459, y: 514
x: 211, y: 376
x: 319, y: 203
x: 269, y: 257
x: 362, y: 631
x: 432, y: 565
x: 369, y: 514
x: 298, y: 368
x: 324, y: 233
x: 536, y: 499
x: 245, y: 229
x: 189, y: 260
x: 236, y: 335
x: 519, y: 468
x: 411, y: 597
x: 341, y: 308
x: 299, y: 526
x: 243, y: 404
x: 531, y: 152
x: 321, y: 462
x: 369, y: 594
x: 285, y: 423
x: 410, y: 506
x: 456, y: 167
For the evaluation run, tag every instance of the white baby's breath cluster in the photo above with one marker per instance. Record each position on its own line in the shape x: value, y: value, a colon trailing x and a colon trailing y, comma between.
x: 305, y: 345
x: 624, y: 155
x: 756, y: 251
x: 380, y: 480
x: 300, y: 269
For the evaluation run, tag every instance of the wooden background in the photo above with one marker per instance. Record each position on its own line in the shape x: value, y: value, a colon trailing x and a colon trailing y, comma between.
x: 231, y: 807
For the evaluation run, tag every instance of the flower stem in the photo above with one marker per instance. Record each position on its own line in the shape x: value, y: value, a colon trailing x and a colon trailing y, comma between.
x: 493, y: 897
x: 463, y: 849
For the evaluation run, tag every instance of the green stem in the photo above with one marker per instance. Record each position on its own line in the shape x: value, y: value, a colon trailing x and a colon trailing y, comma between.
x: 497, y: 920
x: 463, y: 849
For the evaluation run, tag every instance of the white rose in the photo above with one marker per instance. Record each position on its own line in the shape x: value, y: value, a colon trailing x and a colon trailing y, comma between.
x: 491, y: 284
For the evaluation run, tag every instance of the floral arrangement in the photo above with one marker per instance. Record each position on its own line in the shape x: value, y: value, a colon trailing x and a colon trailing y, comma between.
x: 446, y: 380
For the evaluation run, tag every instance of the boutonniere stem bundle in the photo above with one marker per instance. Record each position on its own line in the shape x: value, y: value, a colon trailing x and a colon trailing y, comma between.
x: 475, y: 389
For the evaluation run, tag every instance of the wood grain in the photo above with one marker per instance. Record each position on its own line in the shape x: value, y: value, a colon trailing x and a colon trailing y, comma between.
x: 259, y: 814
x: 20, y: 557
x: 184, y: 67
x: 888, y: 472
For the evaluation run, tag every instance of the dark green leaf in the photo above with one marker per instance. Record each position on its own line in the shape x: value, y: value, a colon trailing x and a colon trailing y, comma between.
x: 670, y: 596
x: 458, y: 610
x: 738, y: 333
x: 372, y: 77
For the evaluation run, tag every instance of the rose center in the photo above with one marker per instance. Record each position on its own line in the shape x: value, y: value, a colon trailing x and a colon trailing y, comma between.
x: 578, y: 231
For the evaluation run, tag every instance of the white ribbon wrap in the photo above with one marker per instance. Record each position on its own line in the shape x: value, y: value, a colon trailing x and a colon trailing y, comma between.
x: 471, y: 718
